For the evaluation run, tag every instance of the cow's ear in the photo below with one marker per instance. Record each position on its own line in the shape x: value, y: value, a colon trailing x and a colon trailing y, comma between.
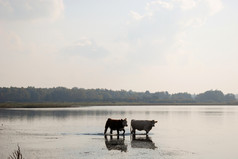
x: 125, y: 119
x: 156, y: 121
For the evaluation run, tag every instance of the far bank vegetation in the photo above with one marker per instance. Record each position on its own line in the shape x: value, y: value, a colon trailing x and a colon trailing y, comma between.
x: 110, y: 97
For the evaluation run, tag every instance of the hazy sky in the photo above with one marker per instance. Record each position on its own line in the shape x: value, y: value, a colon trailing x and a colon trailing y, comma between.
x: 156, y: 45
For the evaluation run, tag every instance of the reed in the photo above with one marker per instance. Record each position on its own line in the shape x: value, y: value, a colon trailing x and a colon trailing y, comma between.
x: 16, y: 154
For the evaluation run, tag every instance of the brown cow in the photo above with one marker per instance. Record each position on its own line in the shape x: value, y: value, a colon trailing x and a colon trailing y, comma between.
x: 115, y: 124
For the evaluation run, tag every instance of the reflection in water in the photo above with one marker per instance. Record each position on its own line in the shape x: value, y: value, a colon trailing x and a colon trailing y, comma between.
x: 35, y: 113
x: 116, y: 143
x: 142, y: 142
x: 212, y: 113
x: 104, y: 111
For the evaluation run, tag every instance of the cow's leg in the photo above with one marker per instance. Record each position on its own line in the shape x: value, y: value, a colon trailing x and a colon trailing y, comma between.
x: 146, y: 132
x: 123, y: 131
x: 105, y: 136
x: 133, y: 136
x: 117, y: 133
x: 105, y: 131
x: 147, y: 137
x: 111, y: 131
x: 133, y: 131
x: 106, y: 126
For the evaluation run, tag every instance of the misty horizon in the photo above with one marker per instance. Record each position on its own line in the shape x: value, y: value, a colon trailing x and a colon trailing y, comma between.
x: 169, y: 45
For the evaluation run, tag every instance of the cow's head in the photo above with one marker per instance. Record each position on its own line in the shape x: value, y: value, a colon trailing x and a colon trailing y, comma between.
x: 124, y: 122
x: 153, y: 122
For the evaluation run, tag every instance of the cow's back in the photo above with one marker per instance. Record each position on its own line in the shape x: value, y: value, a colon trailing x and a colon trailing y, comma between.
x: 114, y: 124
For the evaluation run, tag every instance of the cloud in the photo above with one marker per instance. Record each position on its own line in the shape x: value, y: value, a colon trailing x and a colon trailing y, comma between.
x: 136, y: 15
x: 186, y: 4
x: 154, y: 5
x: 85, y: 47
x: 207, y: 8
x: 170, y: 24
x: 195, y: 22
x: 31, y: 9
x: 151, y: 8
x: 215, y: 6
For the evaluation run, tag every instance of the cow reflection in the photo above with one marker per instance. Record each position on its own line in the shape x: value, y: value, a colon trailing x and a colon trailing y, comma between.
x: 115, y: 143
x: 142, y: 142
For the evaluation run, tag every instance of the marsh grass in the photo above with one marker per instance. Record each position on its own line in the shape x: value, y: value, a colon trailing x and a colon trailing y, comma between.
x: 16, y: 154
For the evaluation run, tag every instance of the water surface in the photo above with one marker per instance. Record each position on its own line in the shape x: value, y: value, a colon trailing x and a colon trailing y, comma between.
x: 182, y: 132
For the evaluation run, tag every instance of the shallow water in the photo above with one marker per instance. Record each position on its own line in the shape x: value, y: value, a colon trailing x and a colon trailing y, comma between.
x: 182, y: 132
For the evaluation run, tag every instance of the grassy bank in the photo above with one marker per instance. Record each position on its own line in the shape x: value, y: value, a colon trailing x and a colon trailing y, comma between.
x: 81, y: 104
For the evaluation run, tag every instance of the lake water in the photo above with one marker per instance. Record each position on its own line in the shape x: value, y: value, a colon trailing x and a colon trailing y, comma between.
x: 182, y: 132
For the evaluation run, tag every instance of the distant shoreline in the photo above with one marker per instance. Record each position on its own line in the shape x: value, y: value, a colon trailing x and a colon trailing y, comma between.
x: 84, y: 104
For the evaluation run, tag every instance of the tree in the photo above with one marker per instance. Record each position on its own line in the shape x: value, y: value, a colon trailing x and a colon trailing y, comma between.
x: 62, y: 94
x: 210, y: 97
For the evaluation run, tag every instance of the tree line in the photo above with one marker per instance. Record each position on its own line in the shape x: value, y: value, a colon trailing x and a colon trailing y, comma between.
x: 62, y: 94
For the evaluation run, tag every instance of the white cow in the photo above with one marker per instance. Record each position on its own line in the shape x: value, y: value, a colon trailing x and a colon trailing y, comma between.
x: 142, y: 125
